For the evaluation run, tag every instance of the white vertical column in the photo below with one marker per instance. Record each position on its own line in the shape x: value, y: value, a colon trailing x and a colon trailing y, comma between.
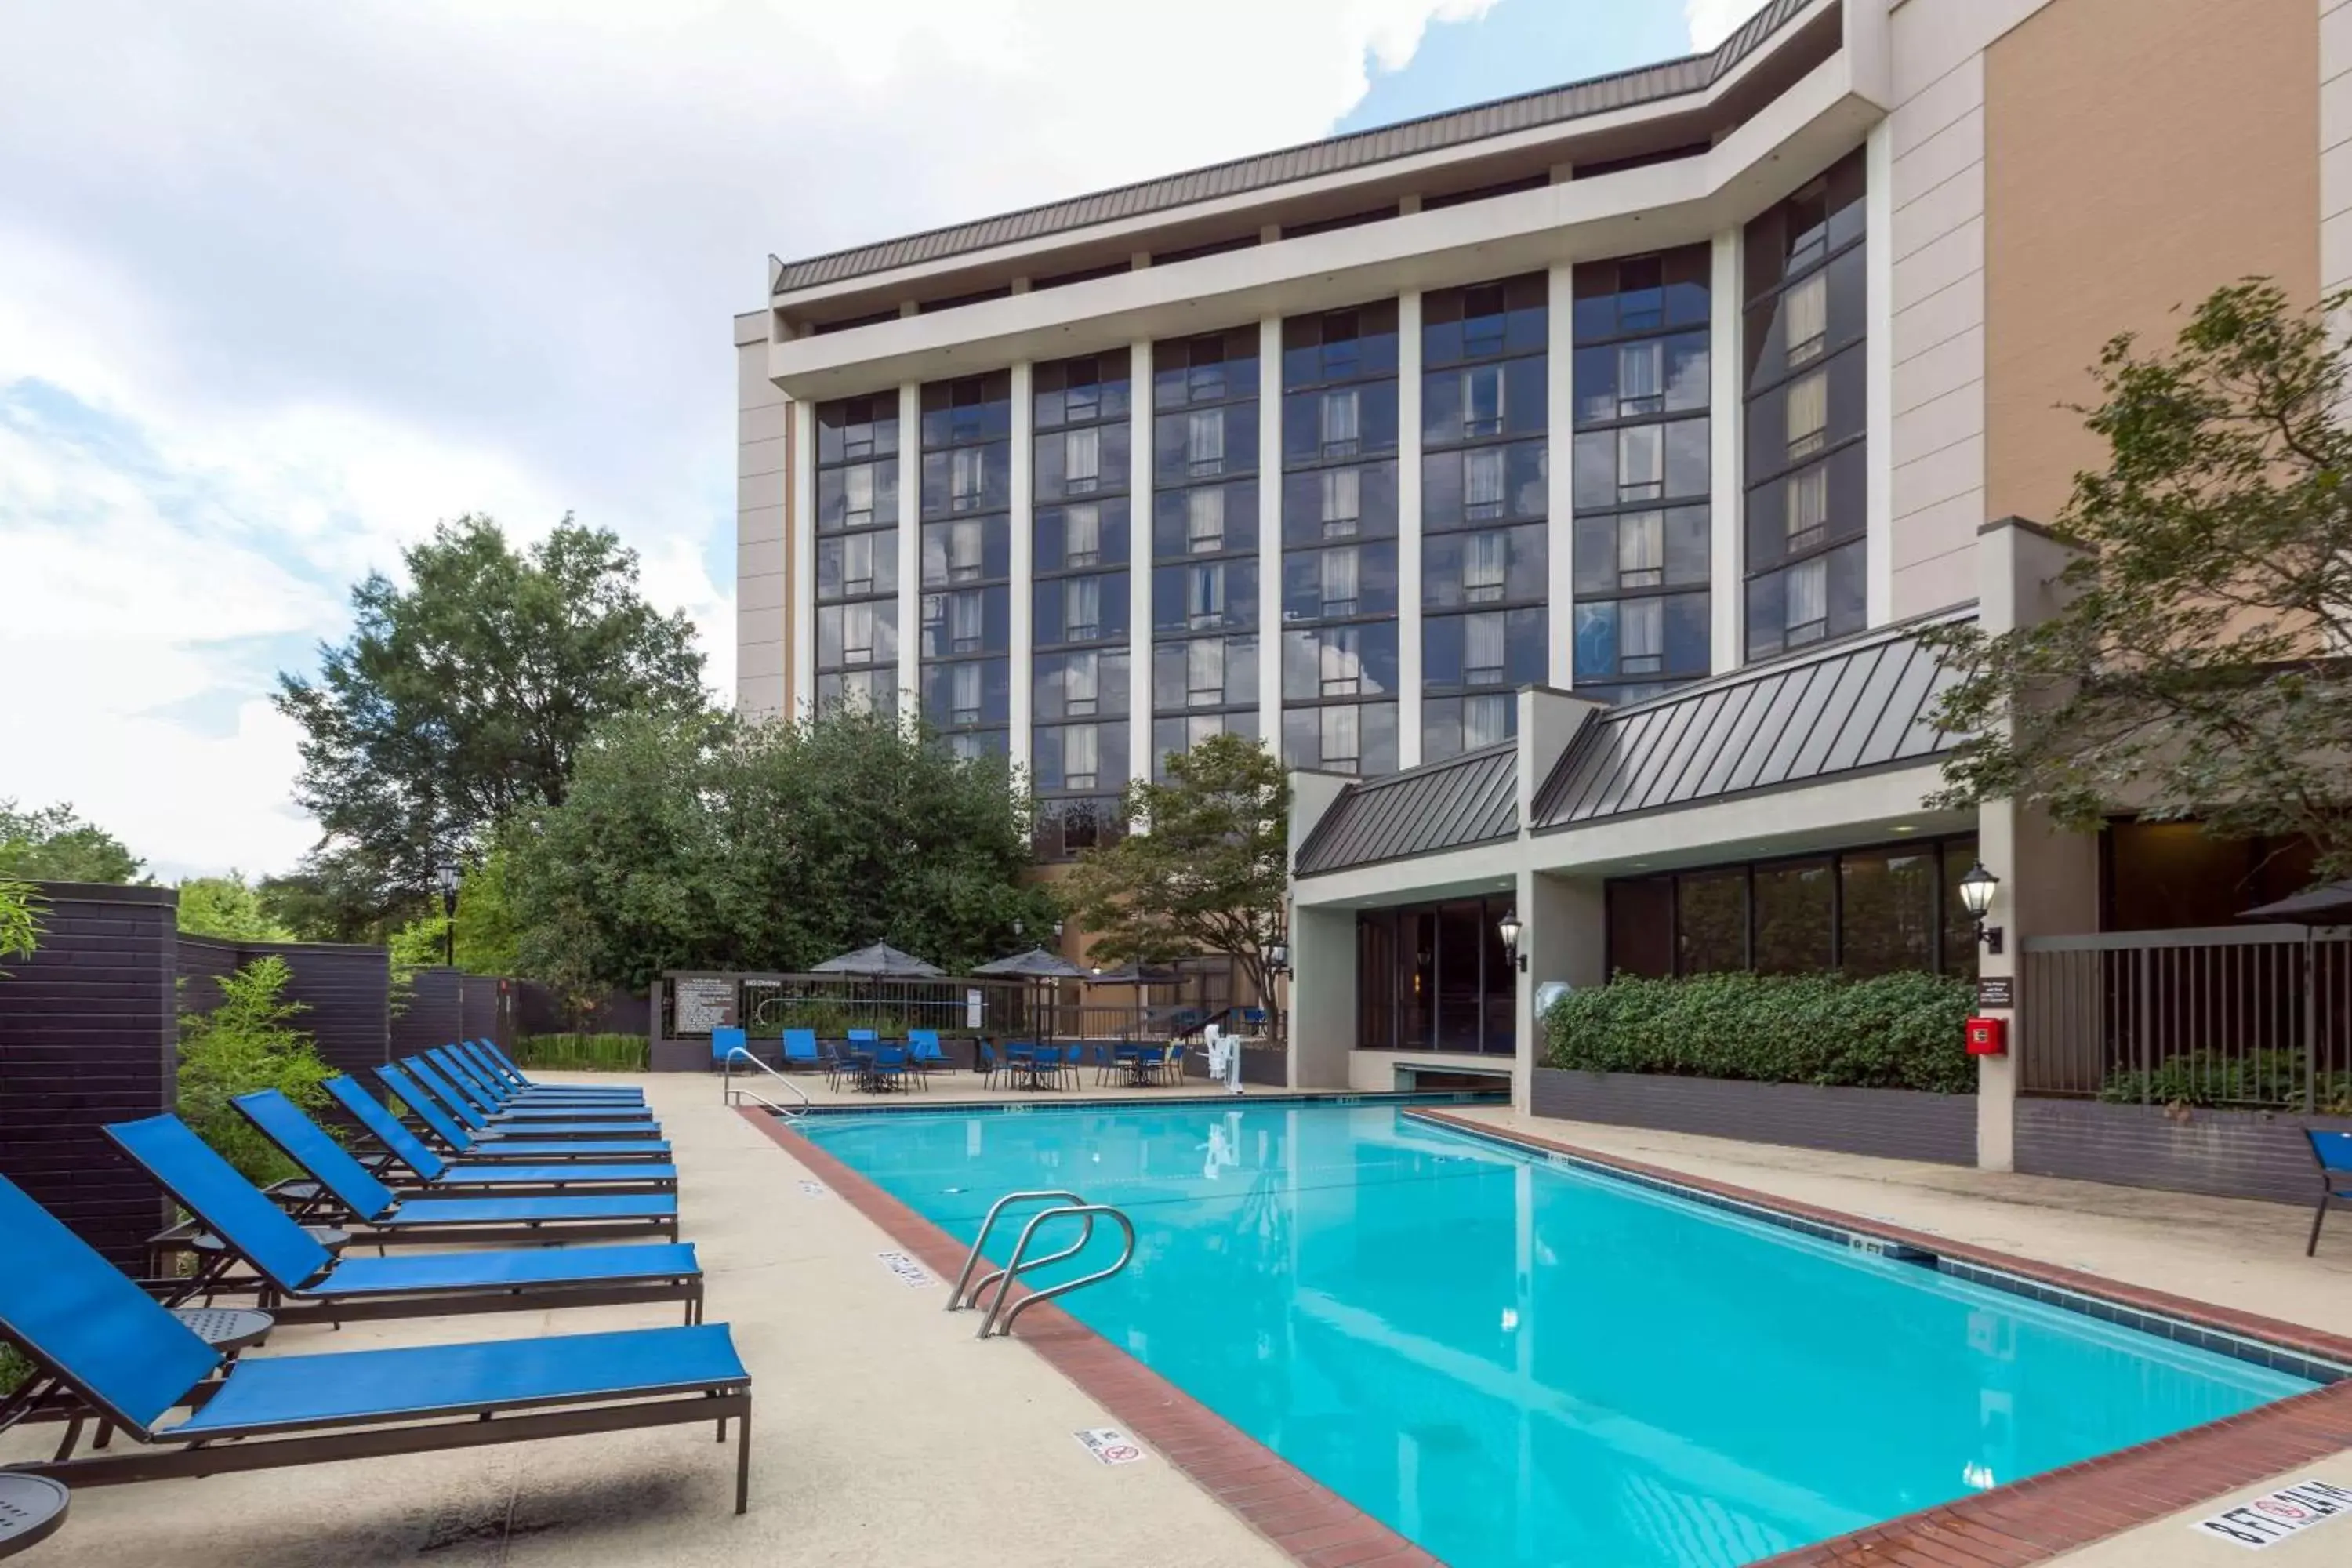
x: 1727, y: 409
x: 911, y: 548
x: 1140, y: 506
x: 1024, y: 559
x: 1560, y: 498
x: 1408, y: 492
x: 803, y: 697
x: 1269, y: 532
x: 1878, y: 265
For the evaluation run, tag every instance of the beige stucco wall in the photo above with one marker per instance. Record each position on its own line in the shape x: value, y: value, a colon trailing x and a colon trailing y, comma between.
x: 762, y: 507
x: 2137, y: 153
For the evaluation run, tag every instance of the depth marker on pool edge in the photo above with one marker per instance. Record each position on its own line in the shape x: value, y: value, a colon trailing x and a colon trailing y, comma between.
x: 1109, y: 1445
x: 2271, y: 1518
x: 911, y: 1274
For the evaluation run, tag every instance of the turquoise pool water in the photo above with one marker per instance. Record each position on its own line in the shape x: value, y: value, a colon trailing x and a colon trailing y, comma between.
x: 1515, y: 1362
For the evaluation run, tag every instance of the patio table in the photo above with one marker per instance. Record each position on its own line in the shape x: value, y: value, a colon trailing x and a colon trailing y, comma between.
x: 31, y: 1509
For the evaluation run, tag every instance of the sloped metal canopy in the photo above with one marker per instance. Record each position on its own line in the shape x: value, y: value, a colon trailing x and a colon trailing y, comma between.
x: 1861, y: 705
x: 1470, y: 799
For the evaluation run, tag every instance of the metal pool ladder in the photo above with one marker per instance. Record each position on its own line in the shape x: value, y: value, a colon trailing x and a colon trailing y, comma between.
x: 1001, y: 1309
x: 730, y: 1094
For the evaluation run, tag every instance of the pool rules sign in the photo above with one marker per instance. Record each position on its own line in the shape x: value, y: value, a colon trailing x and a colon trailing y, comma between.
x: 2273, y: 1517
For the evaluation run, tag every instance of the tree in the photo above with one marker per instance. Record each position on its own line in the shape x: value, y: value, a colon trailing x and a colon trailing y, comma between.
x: 20, y: 925
x: 465, y: 696
x: 54, y: 844
x: 227, y: 907
x: 2196, y: 667
x: 707, y: 842
x: 484, y: 929
x: 247, y: 1042
x: 1211, y: 873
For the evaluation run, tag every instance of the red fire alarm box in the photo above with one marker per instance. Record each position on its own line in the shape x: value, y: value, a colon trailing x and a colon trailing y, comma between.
x: 1988, y: 1036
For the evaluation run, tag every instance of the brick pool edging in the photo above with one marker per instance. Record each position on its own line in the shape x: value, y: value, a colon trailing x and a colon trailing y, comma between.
x: 2043, y: 1517
x: 1311, y: 1525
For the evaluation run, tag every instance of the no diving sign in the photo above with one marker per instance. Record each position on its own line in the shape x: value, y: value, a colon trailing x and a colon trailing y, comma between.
x: 1109, y: 1445
x: 2274, y: 1516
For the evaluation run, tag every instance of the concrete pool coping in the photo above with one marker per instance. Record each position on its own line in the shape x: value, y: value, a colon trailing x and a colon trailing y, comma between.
x: 2042, y: 1518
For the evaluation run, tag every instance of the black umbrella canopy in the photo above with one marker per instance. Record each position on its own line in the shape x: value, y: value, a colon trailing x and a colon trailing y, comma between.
x: 1034, y: 965
x: 880, y: 962
x: 2328, y: 904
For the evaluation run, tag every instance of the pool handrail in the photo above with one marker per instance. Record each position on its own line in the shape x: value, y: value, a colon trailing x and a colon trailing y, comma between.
x: 1000, y: 1318
x: 957, y: 1298
x: 730, y: 1094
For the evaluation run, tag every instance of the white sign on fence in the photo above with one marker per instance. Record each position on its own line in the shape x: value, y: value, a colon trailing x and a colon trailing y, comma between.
x: 971, y: 1007
x: 1109, y: 1445
x: 911, y: 1274
x: 2274, y: 1516
x: 703, y: 1003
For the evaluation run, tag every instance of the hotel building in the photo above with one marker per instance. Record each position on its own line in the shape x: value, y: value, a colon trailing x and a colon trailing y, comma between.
x: 1557, y: 483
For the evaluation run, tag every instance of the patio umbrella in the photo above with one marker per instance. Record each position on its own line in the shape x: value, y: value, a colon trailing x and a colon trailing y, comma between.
x: 1032, y: 965
x: 2328, y: 904
x: 879, y: 962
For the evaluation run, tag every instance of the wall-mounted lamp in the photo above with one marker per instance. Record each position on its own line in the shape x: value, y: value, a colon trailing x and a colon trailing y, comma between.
x: 1277, y: 959
x: 1976, y: 896
x: 1508, y: 927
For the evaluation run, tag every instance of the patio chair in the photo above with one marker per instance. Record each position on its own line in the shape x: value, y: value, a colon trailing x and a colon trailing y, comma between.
x: 2333, y: 1151
x: 561, y: 1173
x: 1104, y: 1066
x: 923, y: 1051
x: 984, y: 1054
x: 467, y: 1221
x: 887, y: 1066
x: 479, y: 1114
x: 1021, y: 1062
x: 724, y: 1043
x: 571, y: 1142
x: 497, y: 1098
x: 1052, y: 1061
x: 1149, y: 1062
x: 491, y: 1054
x: 798, y: 1051
x: 1175, y: 1064
x: 84, y: 1321
x: 298, y: 1280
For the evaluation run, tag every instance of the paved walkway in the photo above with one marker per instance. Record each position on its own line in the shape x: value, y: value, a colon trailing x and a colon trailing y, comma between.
x: 884, y: 1434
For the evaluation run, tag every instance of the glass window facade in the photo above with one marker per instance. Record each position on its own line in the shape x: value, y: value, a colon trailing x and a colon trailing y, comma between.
x: 1435, y: 977
x: 858, y: 550
x: 1864, y: 911
x: 1485, y: 494
x: 1078, y: 599
x: 1807, y: 489
x: 1204, y: 540
x: 1339, y: 541
x: 967, y: 631
x: 1643, y: 520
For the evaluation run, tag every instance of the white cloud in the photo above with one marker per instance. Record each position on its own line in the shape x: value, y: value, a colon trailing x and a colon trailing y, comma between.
x: 281, y: 286
x: 1712, y: 21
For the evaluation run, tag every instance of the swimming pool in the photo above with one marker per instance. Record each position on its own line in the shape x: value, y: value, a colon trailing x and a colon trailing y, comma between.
x: 1515, y: 1361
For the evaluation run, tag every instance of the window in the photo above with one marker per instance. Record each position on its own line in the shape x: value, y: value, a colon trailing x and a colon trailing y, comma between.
x: 1343, y: 502
x: 1204, y: 442
x: 1641, y: 550
x: 857, y: 491
x: 1205, y: 520
x: 1642, y: 637
x: 1081, y: 459
x: 1082, y: 536
x: 967, y: 622
x: 1808, y: 307
x: 967, y: 478
x: 1641, y: 462
x: 963, y: 690
x: 1339, y: 415
x: 858, y: 565
x: 1808, y: 612
x: 1641, y: 379
x: 1485, y: 721
x: 1482, y: 401
x: 1081, y: 685
x: 1341, y: 654
x: 1342, y: 739
x: 1483, y: 656
x: 1342, y: 580
x: 1485, y: 568
x: 1083, y: 398
x: 1485, y: 485
x: 1808, y: 507
x: 1082, y: 609
x: 1080, y: 756
x: 1204, y: 673
x: 857, y: 633
x: 965, y: 543
x: 1809, y: 416
x: 1205, y: 596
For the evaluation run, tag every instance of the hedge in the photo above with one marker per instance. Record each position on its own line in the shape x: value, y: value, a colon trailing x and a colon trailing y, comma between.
x: 1891, y: 1031
x: 583, y: 1052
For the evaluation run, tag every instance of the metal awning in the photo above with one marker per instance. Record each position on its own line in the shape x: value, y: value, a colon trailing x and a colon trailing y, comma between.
x: 1861, y: 705
x: 1466, y: 800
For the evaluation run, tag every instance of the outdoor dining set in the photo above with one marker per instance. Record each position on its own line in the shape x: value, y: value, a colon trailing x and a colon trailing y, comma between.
x: 861, y: 1060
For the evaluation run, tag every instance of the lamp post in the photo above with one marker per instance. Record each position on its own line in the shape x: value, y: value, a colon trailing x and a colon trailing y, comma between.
x: 444, y: 877
x: 1976, y: 888
x: 1511, y: 930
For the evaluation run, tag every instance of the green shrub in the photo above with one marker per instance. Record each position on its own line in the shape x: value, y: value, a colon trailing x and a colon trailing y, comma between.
x: 247, y: 1042
x: 14, y: 1370
x: 582, y: 1053
x: 1891, y: 1031
x: 2217, y: 1079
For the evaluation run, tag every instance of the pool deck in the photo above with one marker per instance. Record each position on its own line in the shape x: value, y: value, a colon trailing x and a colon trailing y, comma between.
x: 885, y: 1435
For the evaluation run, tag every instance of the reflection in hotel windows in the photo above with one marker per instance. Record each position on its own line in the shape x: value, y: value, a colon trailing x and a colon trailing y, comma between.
x: 1807, y: 506
x: 1340, y: 441
x: 1642, y: 527
x: 1436, y: 978
x: 1204, y: 530
x: 857, y: 551
x: 967, y: 561
x: 1485, y: 466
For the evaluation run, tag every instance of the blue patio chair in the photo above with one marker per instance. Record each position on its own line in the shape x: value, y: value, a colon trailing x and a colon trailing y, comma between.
x: 725, y: 1042
x: 800, y: 1053
x: 985, y: 1054
x: 1174, y: 1069
x: 506, y: 1068
x: 556, y: 1140
x: 923, y: 1050
x: 1053, y: 1060
x: 300, y: 1281
x: 1103, y: 1063
x: 887, y: 1066
x: 1020, y: 1063
x: 462, y: 1221
x: 1149, y: 1061
x: 863, y: 1039
x: 2334, y: 1152
x: 85, y: 1320
x: 554, y: 1172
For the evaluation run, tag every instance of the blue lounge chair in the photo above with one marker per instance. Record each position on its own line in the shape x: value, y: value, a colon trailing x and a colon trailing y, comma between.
x: 573, y: 1144
x: 799, y: 1052
x: 725, y: 1042
x: 503, y: 1067
x: 84, y: 1321
x: 300, y: 1281
x: 2334, y: 1152
x: 565, y: 1172
x: 497, y: 1096
x: 482, y: 1118
x: 592, y: 1216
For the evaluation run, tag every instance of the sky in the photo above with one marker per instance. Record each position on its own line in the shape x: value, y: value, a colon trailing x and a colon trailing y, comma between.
x: 282, y: 285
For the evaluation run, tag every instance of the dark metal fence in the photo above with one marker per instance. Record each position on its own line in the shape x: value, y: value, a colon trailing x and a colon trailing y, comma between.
x: 832, y: 1004
x: 2260, y: 1016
